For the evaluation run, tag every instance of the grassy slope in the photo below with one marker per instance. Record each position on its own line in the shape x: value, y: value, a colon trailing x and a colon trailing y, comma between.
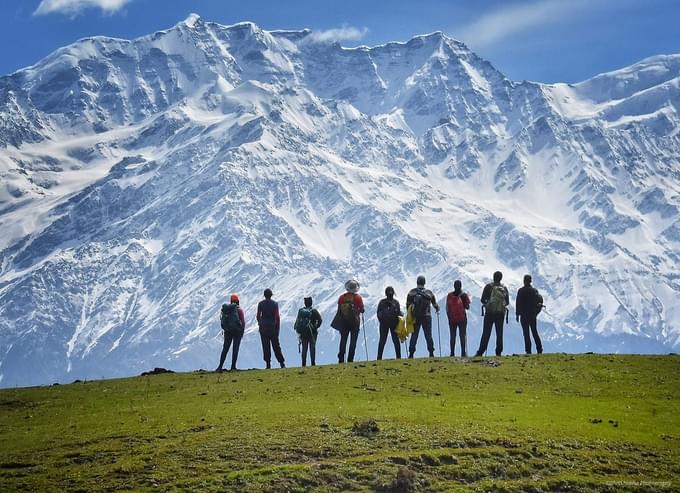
x: 444, y: 424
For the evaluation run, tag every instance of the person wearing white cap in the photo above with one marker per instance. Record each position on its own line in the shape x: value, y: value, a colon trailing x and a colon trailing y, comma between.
x: 348, y: 320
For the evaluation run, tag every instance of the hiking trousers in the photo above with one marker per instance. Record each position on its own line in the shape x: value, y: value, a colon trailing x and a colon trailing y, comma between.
x: 270, y: 340
x: 529, y: 324
x: 389, y: 328
x: 461, y: 327
x: 228, y: 339
x: 308, y: 344
x: 353, y: 335
x: 496, y: 320
x: 426, y: 324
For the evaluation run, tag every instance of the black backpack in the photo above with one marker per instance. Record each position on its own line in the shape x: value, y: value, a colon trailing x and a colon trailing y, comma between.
x: 539, y: 302
x: 229, y: 319
x: 421, y: 303
x: 389, y: 310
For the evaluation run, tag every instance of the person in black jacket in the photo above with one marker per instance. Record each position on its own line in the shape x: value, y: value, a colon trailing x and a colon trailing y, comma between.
x: 389, y: 312
x: 421, y: 299
x: 495, y: 300
x: 527, y: 306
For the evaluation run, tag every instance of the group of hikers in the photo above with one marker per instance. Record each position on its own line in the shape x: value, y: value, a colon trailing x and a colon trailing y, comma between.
x: 420, y: 301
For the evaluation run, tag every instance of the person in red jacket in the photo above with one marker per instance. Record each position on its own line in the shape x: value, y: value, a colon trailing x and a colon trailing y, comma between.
x: 233, y: 322
x: 457, y: 302
x: 348, y: 320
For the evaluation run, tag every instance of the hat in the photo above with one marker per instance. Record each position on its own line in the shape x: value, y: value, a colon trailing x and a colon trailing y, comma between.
x: 234, y: 298
x: 352, y: 286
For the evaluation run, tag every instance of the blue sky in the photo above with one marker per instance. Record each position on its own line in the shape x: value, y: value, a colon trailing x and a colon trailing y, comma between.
x: 542, y: 40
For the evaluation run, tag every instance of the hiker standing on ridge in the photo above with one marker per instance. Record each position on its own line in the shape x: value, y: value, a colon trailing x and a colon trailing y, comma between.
x: 270, y: 324
x: 495, y: 301
x: 528, y: 305
x: 389, y: 312
x: 347, y: 320
x: 421, y: 299
x: 233, y: 322
x: 457, y: 302
x: 307, y: 326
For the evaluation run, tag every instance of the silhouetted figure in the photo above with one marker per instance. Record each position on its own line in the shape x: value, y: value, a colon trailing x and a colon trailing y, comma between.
x: 421, y: 299
x: 233, y: 322
x: 348, y: 320
x: 307, y: 325
x: 528, y: 305
x: 457, y: 303
x: 270, y: 325
x: 389, y: 312
x: 495, y: 301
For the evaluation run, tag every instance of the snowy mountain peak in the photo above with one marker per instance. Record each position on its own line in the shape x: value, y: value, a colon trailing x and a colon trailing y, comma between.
x: 192, y: 20
x: 144, y: 180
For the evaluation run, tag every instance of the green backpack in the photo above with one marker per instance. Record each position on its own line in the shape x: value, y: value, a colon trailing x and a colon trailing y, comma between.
x: 496, y: 303
x: 303, y: 322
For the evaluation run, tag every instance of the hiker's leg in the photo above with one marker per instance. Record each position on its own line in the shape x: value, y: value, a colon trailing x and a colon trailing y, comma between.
x: 395, y: 341
x: 234, y: 352
x: 276, y: 345
x: 462, y: 330
x: 225, y: 349
x: 500, y: 319
x: 534, y: 331
x: 384, y: 329
x: 524, y: 322
x: 354, y: 336
x: 452, y: 336
x: 305, y: 344
x: 414, y: 339
x: 266, y: 349
x: 312, y: 351
x: 486, y: 334
x: 427, y: 329
x: 344, y: 334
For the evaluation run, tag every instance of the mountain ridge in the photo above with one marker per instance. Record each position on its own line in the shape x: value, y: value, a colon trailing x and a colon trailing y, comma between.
x: 211, y: 159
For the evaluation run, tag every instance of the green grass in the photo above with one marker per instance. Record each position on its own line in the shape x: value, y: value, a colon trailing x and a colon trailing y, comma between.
x: 530, y: 424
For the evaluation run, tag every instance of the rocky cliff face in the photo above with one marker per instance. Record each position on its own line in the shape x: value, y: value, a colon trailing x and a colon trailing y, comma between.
x: 144, y: 180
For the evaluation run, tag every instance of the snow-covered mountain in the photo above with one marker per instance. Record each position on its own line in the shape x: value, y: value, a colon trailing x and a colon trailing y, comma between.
x: 143, y: 181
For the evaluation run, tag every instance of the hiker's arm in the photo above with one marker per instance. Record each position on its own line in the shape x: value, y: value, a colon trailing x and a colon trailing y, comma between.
x: 485, y: 294
x: 401, y: 314
x: 466, y: 301
x: 259, y: 313
x: 319, y: 321
x: 359, y: 302
x: 277, y: 318
x: 434, y: 301
x: 409, y: 299
x: 242, y: 318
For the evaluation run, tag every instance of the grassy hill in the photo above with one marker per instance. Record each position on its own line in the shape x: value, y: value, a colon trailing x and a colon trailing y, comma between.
x: 542, y: 423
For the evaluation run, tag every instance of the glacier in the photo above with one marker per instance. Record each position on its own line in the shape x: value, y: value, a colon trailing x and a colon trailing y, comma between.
x: 144, y: 180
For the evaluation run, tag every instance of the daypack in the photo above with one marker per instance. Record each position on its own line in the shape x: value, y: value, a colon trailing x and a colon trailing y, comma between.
x: 496, y: 303
x: 455, y: 307
x: 389, y: 310
x: 303, y: 322
x: 421, y: 302
x: 347, y: 310
x: 539, y: 302
x: 229, y: 319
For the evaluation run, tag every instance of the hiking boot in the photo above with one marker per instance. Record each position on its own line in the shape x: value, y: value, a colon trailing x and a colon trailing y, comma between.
x: 269, y: 365
x: 233, y: 368
x: 410, y: 355
x: 431, y: 354
x: 283, y: 365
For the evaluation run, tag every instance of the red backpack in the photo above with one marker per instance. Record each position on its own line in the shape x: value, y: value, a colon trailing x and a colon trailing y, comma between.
x: 455, y: 307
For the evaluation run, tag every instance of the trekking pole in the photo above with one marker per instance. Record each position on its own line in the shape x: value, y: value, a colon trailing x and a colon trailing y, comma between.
x: 439, y: 335
x: 365, y: 343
